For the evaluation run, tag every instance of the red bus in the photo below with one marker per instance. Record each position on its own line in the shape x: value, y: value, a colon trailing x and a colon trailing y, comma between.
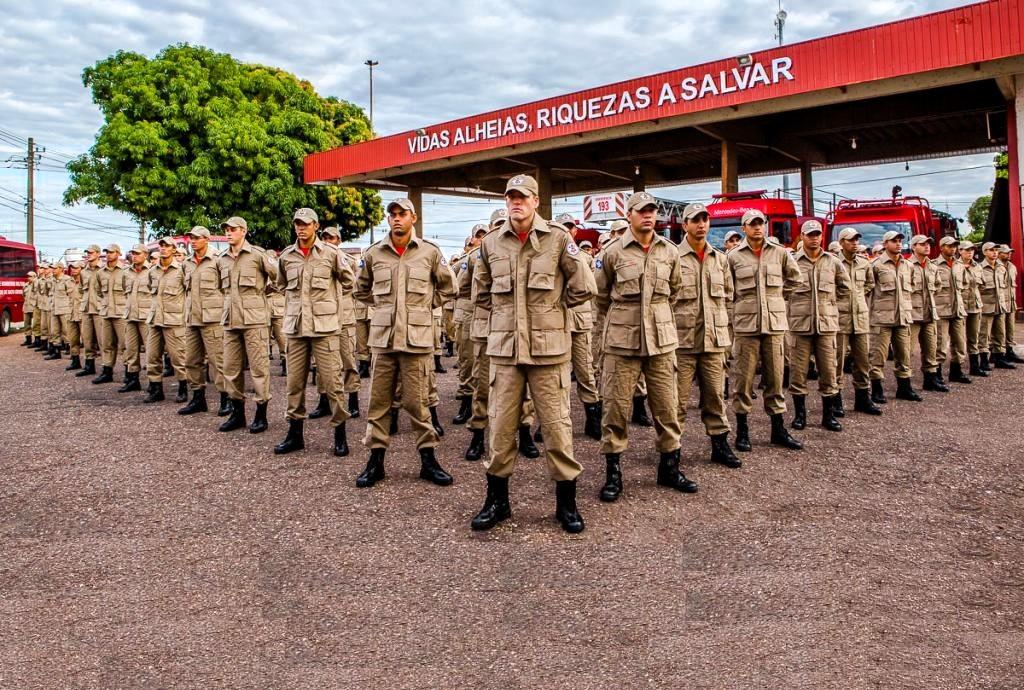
x: 16, y: 260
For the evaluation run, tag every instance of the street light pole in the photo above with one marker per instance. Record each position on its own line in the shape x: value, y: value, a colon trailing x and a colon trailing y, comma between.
x: 371, y: 64
x: 780, y: 22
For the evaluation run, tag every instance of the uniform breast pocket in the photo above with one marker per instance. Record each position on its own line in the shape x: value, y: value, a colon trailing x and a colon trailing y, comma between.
x: 627, y: 279
x: 381, y: 281
x: 886, y: 282
x: 746, y: 278
x: 773, y: 276
x: 622, y: 331
x: 501, y: 274
x: 247, y: 282
x: 827, y: 282
x: 542, y: 274
x: 420, y: 332
x: 860, y: 276
x: 662, y: 273
x: 381, y: 326
x: 225, y: 278
x: 293, y: 275
x: 716, y: 283
x: 419, y: 280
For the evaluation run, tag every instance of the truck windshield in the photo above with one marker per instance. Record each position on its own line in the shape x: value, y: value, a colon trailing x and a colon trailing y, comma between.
x: 872, y: 233
x: 719, y: 227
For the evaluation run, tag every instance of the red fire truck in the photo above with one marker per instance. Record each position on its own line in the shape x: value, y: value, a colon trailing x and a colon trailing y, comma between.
x: 726, y: 212
x: 601, y: 208
x: 909, y: 215
x: 16, y: 260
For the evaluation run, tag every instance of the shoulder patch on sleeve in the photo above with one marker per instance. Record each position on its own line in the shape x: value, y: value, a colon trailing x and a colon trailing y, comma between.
x: 572, y: 248
x: 598, y: 263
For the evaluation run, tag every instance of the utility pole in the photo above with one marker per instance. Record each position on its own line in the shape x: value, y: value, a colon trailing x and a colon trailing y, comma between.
x: 142, y: 231
x: 780, y: 22
x: 371, y: 64
x: 30, y: 230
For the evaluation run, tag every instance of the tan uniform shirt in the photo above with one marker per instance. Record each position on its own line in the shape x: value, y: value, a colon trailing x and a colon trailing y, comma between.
x: 92, y: 296
x: 814, y: 305
x: 890, y: 300
x: 28, y: 290
x: 403, y: 289
x: 113, y: 299
x: 346, y: 303
x: 204, y: 301
x: 995, y: 298
x: 64, y: 301
x: 44, y: 301
x: 1011, y: 283
x: 167, y: 285
x: 581, y: 317
x: 702, y: 313
x: 77, y: 295
x: 922, y: 291
x: 763, y: 284
x: 243, y: 280
x: 636, y: 290
x: 464, y: 306
x: 854, y: 315
x: 970, y: 293
x: 139, y: 298
x: 527, y: 287
x: 950, y: 277
x: 313, y: 286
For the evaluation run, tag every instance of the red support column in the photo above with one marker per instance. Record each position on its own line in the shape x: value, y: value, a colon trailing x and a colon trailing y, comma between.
x: 1015, y: 154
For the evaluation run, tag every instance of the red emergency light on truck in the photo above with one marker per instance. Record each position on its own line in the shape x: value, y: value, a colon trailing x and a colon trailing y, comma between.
x: 908, y: 215
x: 16, y: 260
x: 726, y: 213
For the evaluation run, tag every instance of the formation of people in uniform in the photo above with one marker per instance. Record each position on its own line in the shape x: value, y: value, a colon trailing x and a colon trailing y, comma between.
x: 531, y: 315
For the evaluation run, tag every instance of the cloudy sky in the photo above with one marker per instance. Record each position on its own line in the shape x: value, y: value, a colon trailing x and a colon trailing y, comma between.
x: 438, y: 61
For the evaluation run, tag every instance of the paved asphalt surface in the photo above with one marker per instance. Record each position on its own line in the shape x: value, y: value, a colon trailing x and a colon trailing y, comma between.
x: 141, y: 549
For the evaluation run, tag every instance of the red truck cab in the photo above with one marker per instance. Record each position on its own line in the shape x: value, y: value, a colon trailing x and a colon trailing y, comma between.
x: 910, y: 215
x: 726, y: 213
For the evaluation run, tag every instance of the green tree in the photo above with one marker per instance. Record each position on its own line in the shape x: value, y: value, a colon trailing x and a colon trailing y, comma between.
x: 1002, y: 162
x: 193, y: 136
x: 977, y: 216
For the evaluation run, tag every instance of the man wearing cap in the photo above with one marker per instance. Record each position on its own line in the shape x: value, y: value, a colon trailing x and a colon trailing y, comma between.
x: 245, y: 271
x: 891, y: 315
x: 137, y: 304
x: 581, y: 324
x: 43, y: 307
x: 60, y: 312
x: 924, y: 330
x: 764, y: 276
x: 638, y: 282
x: 995, y: 304
x: 313, y: 275
x: 204, y: 334
x: 970, y: 297
x: 166, y: 323
x: 814, y: 322
x: 112, y: 281
x: 403, y: 276
x: 854, y: 336
x: 349, y: 374
x: 74, y: 323
x: 732, y: 240
x: 701, y: 317
x: 28, y: 292
x: 950, y: 328
x: 463, y: 325
x: 92, y: 322
x: 597, y: 332
x: 1009, y: 330
x: 528, y: 275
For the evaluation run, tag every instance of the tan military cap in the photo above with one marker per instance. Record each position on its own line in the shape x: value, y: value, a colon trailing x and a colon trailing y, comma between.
x: 849, y: 234
x: 499, y: 215
x: 524, y: 184
x: 892, y: 235
x: 139, y: 249
x: 199, y: 231
x: 811, y: 227
x: 732, y: 233
x: 331, y: 231
x: 640, y: 200
x: 31, y: 273
x: 166, y: 241
x: 565, y: 219
x: 772, y: 239
x: 586, y: 244
x: 693, y: 209
x: 478, y: 229
x: 751, y: 215
x: 113, y: 248
x: 618, y: 225
x: 235, y: 222
x: 920, y: 239
x: 946, y: 241
x: 1005, y: 248
x: 877, y: 249
x: 401, y: 203
x: 835, y: 247
x: 966, y: 244
x: 76, y: 264
x: 306, y: 215
x: 93, y: 248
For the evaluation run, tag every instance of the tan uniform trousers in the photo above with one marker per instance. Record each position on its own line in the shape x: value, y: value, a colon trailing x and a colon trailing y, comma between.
x: 348, y: 373
x: 482, y: 391
x: 413, y: 372
x: 990, y: 329
x: 951, y: 341
x: 1009, y: 332
x: 134, y: 337
x: 583, y: 367
x: 44, y: 323
x: 549, y: 384
x: 27, y: 322
x: 55, y: 330
x: 464, y: 349
x: 92, y: 327
x: 241, y: 344
x: 823, y: 348
x: 204, y: 344
x: 448, y: 323
x: 708, y: 368
x: 36, y: 322
x: 362, y: 336
x: 858, y: 345
x: 620, y: 378
x: 71, y: 334
x: 277, y: 334
x: 768, y: 349
x: 112, y: 340
x: 972, y: 328
x: 881, y: 337
x: 327, y: 350
x: 170, y: 339
x: 924, y: 335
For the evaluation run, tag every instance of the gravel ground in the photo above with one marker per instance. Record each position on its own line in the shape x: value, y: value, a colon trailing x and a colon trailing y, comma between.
x: 139, y: 548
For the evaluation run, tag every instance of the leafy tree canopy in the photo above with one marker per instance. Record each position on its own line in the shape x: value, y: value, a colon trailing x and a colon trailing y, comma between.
x: 193, y: 136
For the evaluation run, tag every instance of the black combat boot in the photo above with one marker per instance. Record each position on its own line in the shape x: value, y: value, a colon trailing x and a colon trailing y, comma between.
x: 538, y: 436
x: 932, y: 383
x: 799, y: 412
x: 431, y: 470
x: 259, y: 420
x: 670, y: 476
x: 438, y: 369
x: 374, y: 471
x: 938, y: 376
x: 131, y: 383
x: 640, y: 417
x: 496, y: 507
x: 782, y: 437
x: 364, y: 369
x: 465, y: 410
x: 353, y: 404
x: 340, y: 441
x: 41, y: 344
x: 225, y: 405
x: 284, y: 367
x: 293, y: 440
x: 197, y: 404
x: 878, y: 392
x: 828, y: 416
x: 905, y: 391
x: 393, y: 427
x: 956, y: 373
x: 613, y: 478
x: 27, y: 341
x: 812, y: 372
x: 984, y: 362
x: 476, y: 446
x: 322, y: 409
x: 435, y: 422
x: 976, y: 369
x: 53, y: 352
x: 722, y: 453
x: 182, y: 395
x: 168, y: 369
x: 1010, y: 355
x: 76, y: 363
x: 565, y: 507
x: 838, y: 410
x: 106, y: 376
x: 89, y: 369
x: 785, y: 378
x: 155, y: 392
x: 526, y: 445
x: 592, y: 427
x: 862, y: 402
x: 1001, y: 362
x: 742, y: 443
x: 237, y: 418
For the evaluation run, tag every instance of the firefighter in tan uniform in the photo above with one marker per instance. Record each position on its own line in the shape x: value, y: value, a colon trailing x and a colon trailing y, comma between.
x: 43, y: 307
x: 970, y: 296
x: 112, y: 280
x: 313, y: 275
x: 347, y: 332
x: 463, y: 317
x: 204, y: 334
x: 814, y: 322
x: 923, y: 330
x: 403, y: 277
x: 638, y: 281
x: 245, y: 271
x: 28, y: 293
x: 92, y: 322
x: 74, y: 322
x: 136, y: 313
x: 1009, y: 326
x: 60, y: 312
x: 581, y: 325
x: 53, y: 345
x: 951, y: 331
x: 702, y: 327
x: 891, y: 316
x: 854, y: 336
x: 166, y: 323
x: 764, y: 276
x: 528, y: 275
x: 995, y: 304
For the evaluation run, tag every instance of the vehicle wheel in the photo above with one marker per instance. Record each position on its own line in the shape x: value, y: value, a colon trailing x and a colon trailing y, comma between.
x: 5, y: 322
